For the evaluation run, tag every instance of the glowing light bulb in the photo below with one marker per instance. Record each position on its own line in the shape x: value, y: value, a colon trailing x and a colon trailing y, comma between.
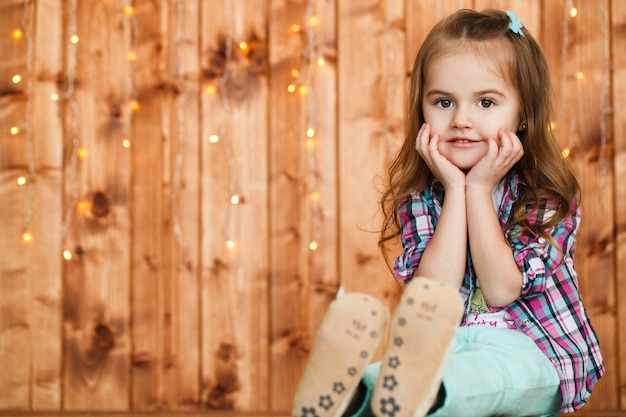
x: 211, y: 89
x: 573, y: 12
x: 67, y: 255
x: 134, y: 105
x: 74, y: 39
x: 566, y: 153
x: 230, y: 244
x: 243, y: 46
x: 214, y: 138
x: 21, y: 180
x: 54, y: 97
x: 27, y: 237
x: 235, y: 199
x: 316, y: 196
x: 17, y: 34
x: 82, y: 153
x: 580, y: 75
x: 313, y: 245
x: 314, y: 20
x: 310, y: 132
x: 15, y: 130
x: 126, y: 143
x: 131, y: 56
x: 303, y: 90
x: 295, y: 28
x: 291, y: 88
x: 295, y: 72
x: 321, y: 62
x: 82, y: 206
x: 128, y: 10
x: 16, y: 78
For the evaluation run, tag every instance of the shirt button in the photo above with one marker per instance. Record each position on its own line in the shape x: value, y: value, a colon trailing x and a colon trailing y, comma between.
x: 526, y: 322
x: 554, y: 360
x: 542, y: 240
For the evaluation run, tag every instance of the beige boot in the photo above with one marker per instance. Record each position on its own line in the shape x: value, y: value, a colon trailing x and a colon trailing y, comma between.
x: 421, y: 336
x: 347, y: 338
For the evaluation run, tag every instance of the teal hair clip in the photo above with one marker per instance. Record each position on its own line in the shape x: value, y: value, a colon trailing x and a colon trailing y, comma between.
x: 515, y: 25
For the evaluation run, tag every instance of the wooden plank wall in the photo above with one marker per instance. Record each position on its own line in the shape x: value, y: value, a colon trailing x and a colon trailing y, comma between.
x: 171, y: 296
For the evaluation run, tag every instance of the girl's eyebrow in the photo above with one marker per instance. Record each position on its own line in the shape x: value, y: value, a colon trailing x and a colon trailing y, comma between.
x: 487, y: 92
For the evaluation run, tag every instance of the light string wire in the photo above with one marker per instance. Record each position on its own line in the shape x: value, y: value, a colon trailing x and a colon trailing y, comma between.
x: 311, y: 51
x: 305, y: 85
x: 604, y: 96
x: 69, y: 96
x: 234, y: 182
x: 26, y: 28
x: 182, y: 100
x: 571, y: 12
x: 562, y: 114
x: 132, y: 57
x: 390, y: 80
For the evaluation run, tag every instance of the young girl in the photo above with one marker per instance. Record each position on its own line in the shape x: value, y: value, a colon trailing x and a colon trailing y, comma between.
x: 487, y: 209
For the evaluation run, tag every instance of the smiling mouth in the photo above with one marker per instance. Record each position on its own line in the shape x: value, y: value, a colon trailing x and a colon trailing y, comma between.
x: 462, y: 140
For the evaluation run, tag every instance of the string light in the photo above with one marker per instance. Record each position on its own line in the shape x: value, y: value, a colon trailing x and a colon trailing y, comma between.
x: 131, y: 55
x: 231, y: 227
x: 579, y: 76
x: 304, y: 85
x: 390, y: 80
x: 69, y: 97
x: 24, y: 33
x: 182, y: 100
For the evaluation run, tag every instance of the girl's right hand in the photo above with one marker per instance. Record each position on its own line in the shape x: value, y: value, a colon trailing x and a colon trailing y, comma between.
x: 446, y: 172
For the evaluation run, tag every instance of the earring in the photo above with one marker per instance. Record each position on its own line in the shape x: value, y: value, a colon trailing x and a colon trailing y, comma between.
x: 523, y: 126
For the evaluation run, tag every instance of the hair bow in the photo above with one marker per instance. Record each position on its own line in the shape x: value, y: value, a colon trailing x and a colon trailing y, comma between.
x: 515, y: 25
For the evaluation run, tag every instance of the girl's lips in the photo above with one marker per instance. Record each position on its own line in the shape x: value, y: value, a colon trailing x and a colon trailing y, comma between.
x: 462, y: 142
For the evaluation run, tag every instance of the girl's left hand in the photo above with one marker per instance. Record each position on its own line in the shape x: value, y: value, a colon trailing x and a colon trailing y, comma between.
x: 498, y: 160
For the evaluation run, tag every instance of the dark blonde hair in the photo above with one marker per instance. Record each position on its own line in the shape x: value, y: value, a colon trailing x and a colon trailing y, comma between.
x: 545, y: 174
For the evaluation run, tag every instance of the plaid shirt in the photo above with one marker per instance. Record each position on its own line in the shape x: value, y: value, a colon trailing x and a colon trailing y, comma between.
x: 550, y: 310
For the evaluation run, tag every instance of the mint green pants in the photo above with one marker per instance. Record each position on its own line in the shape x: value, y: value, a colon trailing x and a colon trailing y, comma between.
x: 490, y: 372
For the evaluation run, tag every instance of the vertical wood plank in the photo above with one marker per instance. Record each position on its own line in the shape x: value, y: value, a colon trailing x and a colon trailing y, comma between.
x: 618, y: 42
x: 235, y: 287
x: 96, y: 292
x: 371, y: 71
x: 46, y: 265
x: 166, y: 341
x: 583, y: 125
x: 304, y: 281
x: 15, y: 284
x: 30, y: 279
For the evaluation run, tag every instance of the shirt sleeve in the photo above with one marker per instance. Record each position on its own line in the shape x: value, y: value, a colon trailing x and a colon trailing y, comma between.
x: 418, y: 225
x: 537, y: 257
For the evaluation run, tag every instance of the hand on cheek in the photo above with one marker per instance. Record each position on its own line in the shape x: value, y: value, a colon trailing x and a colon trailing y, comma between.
x: 501, y: 156
x: 427, y: 146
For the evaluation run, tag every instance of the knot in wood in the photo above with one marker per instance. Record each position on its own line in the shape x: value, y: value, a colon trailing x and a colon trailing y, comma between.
x: 103, y: 338
x: 100, y: 206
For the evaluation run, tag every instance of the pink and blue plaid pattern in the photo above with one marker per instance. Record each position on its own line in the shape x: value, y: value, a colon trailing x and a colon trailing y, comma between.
x: 550, y: 310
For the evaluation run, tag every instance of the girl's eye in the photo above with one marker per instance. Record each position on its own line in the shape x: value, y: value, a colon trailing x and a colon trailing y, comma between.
x: 486, y: 103
x: 444, y: 103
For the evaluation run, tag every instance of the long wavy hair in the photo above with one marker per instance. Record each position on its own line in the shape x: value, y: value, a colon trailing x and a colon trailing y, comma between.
x: 545, y: 174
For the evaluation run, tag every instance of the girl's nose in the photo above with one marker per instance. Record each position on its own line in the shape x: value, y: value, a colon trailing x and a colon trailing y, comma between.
x: 461, y: 119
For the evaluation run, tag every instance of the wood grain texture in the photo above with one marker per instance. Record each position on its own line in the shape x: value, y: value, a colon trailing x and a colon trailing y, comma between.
x: 165, y: 286
x: 96, y: 334
x: 304, y: 281
x: 153, y: 315
x: 618, y: 117
x: 235, y: 282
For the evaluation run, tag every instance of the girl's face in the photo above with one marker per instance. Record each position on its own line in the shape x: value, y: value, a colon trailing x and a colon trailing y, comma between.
x: 466, y: 101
